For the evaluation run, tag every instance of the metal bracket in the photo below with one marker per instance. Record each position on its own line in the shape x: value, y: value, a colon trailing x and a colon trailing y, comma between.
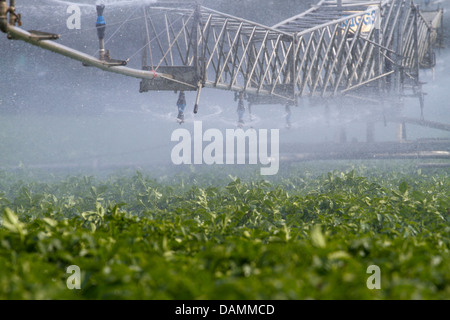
x: 14, y: 18
x: 39, y: 35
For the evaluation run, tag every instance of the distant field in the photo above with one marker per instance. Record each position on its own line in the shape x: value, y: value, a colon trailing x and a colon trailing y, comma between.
x: 205, y: 235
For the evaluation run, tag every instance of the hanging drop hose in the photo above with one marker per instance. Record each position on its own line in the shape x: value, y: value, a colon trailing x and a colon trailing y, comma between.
x: 101, y: 29
x: 197, y: 100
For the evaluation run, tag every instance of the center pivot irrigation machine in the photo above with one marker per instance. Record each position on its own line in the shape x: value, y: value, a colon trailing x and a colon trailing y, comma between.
x: 339, y: 52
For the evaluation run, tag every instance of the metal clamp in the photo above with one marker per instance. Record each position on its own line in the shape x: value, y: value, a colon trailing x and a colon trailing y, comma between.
x: 14, y: 18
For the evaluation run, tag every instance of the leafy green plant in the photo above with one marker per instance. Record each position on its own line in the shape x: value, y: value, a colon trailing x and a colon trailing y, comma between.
x: 297, y: 236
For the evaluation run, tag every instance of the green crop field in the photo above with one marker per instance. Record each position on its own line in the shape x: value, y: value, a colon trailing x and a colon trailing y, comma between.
x: 305, y: 234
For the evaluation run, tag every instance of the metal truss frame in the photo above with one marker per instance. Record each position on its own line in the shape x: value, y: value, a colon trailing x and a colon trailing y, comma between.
x: 337, y: 48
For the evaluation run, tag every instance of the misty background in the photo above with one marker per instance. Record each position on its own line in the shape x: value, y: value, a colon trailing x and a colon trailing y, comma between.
x: 55, y: 112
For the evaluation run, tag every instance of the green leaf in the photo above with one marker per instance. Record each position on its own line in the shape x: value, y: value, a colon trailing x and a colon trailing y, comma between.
x: 317, y: 237
x: 12, y: 223
x: 403, y: 187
